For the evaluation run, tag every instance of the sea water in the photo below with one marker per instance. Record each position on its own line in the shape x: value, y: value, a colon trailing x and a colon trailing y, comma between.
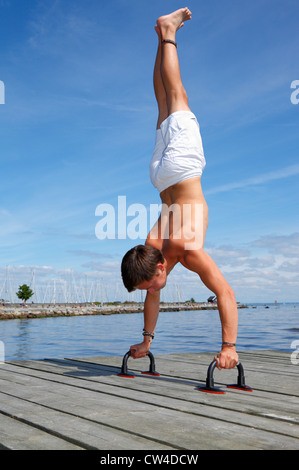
x: 272, y: 327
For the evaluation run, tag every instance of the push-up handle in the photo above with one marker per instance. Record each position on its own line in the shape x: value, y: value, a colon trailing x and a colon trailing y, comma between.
x: 240, y: 385
x: 210, y: 388
x: 124, y: 369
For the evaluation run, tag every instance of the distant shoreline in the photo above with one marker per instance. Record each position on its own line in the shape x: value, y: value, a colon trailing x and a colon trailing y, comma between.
x: 17, y: 311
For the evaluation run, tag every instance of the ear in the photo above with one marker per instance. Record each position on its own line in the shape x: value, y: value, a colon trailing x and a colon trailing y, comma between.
x: 161, y: 267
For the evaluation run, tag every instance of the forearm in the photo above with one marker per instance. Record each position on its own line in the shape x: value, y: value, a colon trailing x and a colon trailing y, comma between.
x: 151, y: 312
x: 229, y: 317
x: 228, y: 357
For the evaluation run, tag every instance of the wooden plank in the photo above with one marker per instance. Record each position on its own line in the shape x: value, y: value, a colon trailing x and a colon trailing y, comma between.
x: 225, y: 412
x: 264, y: 376
x: 286, y: 407
x: 257, y: 403
x: 229, y: 418
x: 96, y: 373
x: 257, y: 359
x: 85, y: 401
x: 83, y: 433
x: 16, y: 435
x: 132, y: 415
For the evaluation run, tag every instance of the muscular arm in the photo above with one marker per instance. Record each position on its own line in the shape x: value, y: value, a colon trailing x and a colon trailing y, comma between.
x: 201, y: 263
x: 151, y: 313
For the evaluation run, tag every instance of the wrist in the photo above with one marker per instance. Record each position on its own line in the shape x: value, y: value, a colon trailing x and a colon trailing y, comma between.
x: 148, y: 334
x: 147, y: 340
x: 227, y: 345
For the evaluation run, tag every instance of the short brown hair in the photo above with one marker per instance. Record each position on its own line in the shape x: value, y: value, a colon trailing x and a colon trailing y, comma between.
x: 140, y: 264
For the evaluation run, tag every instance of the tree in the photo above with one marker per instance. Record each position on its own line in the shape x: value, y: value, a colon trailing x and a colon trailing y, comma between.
x: 191, y: 301
x: 24, y: 292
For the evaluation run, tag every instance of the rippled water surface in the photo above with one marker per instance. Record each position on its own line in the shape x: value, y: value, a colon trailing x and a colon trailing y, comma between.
x: 275, y: 327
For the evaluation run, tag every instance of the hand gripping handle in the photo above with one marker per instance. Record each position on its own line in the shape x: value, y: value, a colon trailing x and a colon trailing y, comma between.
x: 124, y: 369
x: 210, y: 388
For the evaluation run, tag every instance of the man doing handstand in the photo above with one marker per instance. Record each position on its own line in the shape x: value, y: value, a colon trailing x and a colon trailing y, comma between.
x: 175, y: 170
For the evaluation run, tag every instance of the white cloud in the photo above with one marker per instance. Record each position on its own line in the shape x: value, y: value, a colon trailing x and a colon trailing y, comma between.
x: 265, y: 270
x: 286, y: 245
x: 228, y: 255
x: 253, y: 274
x: 90, y: 254
x: 286, y: 172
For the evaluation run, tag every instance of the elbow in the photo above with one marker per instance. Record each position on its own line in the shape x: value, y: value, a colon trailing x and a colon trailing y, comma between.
x: 227, y: 293
x: 231, y: 293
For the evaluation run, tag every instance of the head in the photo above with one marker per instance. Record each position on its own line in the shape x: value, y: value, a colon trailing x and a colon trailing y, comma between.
x: 143, y: 267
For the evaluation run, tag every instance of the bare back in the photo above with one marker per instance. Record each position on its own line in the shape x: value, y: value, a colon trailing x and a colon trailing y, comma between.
x: 178, y: 225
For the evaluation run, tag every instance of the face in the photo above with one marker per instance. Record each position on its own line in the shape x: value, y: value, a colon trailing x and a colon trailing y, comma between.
x: 157, y: 283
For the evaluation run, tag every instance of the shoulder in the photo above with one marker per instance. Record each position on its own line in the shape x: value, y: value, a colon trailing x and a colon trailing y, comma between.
x: 154, y: 242
x: 173, y: 250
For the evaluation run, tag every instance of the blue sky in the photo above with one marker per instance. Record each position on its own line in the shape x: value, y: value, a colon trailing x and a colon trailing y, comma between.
x: 77, y: 130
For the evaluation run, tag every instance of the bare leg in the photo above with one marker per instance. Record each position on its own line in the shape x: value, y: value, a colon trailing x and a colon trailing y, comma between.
x: 176, y: 96
x: 160, y: 91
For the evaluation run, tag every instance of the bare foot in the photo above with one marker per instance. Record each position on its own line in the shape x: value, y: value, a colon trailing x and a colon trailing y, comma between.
x: 169, y: 24
x: 158, y: 31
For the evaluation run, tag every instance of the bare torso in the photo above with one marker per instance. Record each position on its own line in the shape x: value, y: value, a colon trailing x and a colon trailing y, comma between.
x: 185, y: 223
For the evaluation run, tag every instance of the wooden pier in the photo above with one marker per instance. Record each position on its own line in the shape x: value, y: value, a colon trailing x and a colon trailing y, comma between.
x: 81, y: 403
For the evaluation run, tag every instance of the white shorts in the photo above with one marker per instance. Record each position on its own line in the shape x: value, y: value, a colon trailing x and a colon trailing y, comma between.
x: 178, y: 153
